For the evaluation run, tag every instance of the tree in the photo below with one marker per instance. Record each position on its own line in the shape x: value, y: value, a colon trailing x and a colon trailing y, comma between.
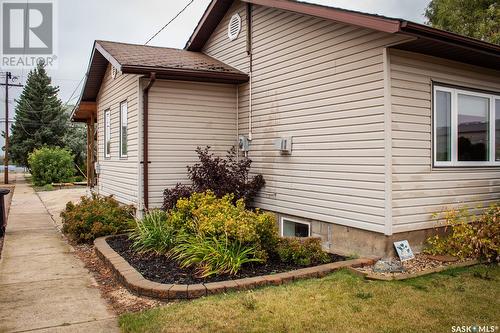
x: 478, y: 19
x: 40, y: 119
x: 75, y: 139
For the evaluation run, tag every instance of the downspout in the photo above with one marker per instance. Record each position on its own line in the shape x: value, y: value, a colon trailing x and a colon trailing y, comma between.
x: 237, y: 120
x: 145, y: 148
x: 250, y: 54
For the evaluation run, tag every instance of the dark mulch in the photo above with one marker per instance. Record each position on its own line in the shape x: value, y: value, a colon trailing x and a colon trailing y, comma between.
x: 160, y: 269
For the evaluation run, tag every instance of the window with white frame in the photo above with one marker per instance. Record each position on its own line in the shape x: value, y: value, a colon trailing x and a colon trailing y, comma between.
x: 123, y: 129
x: 292, y: 228
x: 107, y: 133
x: 466, y: 127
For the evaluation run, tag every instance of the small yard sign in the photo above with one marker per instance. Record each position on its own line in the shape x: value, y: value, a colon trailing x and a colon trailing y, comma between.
x: 404, y: 250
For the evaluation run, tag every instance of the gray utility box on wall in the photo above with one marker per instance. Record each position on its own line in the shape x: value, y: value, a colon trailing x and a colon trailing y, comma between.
x: 244, y: 143
x: 284, y: 145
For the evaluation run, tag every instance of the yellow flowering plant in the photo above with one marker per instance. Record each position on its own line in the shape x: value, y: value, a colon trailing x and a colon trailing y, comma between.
x: 205, y: 215
x: 468, y: 235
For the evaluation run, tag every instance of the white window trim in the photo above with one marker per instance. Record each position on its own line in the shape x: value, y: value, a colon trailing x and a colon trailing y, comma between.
x: 121, y: 129
x: 282, y: 218
x: 454, y: 129
x: 107, y: 134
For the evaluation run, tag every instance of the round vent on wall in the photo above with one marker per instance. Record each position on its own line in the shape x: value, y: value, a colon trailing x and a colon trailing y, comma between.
x: 234, y: 27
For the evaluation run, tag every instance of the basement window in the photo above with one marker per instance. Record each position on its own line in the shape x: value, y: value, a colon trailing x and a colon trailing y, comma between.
x: 293, y: 228
x: 466, y: 127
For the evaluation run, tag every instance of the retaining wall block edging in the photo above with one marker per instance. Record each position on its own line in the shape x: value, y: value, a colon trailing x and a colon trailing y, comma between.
x: 136, y: 283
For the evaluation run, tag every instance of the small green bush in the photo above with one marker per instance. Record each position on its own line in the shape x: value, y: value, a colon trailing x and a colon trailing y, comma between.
x: 213, y: 256
x: 51, y: 165
x: 302, y: 251
x: 205, y: 215
x: 94, y: 217
x: 153, y: 233
x: 470, y: 236
x: 78, y: 178
x: 45, y: 188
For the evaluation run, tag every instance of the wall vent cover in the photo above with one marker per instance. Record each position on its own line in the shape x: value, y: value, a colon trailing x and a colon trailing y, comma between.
x: 234, y: 27
x: 114, y: 71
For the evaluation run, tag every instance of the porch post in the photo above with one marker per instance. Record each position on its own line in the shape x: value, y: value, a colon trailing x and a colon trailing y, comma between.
x: 91, y: 160
x: 89, y: 152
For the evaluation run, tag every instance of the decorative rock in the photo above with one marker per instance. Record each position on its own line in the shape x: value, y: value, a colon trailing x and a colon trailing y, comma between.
x: 388, y: 266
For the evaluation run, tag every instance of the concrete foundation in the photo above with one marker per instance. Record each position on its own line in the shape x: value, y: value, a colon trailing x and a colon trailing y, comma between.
x: 353, y: 241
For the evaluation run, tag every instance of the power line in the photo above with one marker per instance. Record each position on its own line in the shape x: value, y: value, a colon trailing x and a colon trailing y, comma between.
x: 166, y: 25
x: 70, y: 97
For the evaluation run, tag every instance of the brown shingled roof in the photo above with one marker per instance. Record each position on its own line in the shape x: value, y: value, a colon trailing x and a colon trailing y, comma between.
x: 166, y: 63
x: 133, y: 55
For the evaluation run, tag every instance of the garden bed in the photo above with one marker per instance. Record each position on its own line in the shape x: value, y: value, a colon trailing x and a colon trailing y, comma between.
x: 159, y: 268
x: 138, y: 284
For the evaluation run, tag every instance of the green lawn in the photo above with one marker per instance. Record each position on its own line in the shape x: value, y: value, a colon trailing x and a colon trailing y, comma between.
x: 340, y: 302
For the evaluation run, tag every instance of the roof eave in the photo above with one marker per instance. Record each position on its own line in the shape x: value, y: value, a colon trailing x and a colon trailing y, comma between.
x: 207, y: 24
x: 108, y: 56
x: 349, y: 17
x: 424, y: 31
x: 75, y: 108
x: 187, y: 75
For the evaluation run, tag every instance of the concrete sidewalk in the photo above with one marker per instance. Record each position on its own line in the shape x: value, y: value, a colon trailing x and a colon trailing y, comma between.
x: 43, y: 286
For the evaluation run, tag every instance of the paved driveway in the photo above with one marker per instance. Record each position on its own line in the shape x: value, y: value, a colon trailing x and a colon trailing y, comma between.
x: 55, y: 201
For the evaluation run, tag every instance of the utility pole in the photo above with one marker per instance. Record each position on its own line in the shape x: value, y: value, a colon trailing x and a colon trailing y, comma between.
x: 8, y: 76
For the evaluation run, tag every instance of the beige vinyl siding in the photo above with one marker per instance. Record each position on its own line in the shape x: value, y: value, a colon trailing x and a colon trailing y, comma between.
x: 230, y: 52
x: 321, y: 83
x: 419, y: 189
x: 118, y: 176
x: 183, y: 116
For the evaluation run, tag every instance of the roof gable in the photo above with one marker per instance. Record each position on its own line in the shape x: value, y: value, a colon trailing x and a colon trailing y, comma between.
x: 427, y: 40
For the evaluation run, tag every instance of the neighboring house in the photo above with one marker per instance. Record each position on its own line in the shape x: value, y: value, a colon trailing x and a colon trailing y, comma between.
x: 385, y: 121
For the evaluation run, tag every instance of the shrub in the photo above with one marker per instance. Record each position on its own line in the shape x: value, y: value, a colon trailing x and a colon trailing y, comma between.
x: 213, y: 256
x: 205, y: 215
x: 301, y: 251
x: 153, y: 233
x: 78, y: 178
x: 51, y: 165
x: 46, y: 188
x: 171, y: 196
x: 94, y: 217
x: 476, y: 236
x: 219, y: 175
